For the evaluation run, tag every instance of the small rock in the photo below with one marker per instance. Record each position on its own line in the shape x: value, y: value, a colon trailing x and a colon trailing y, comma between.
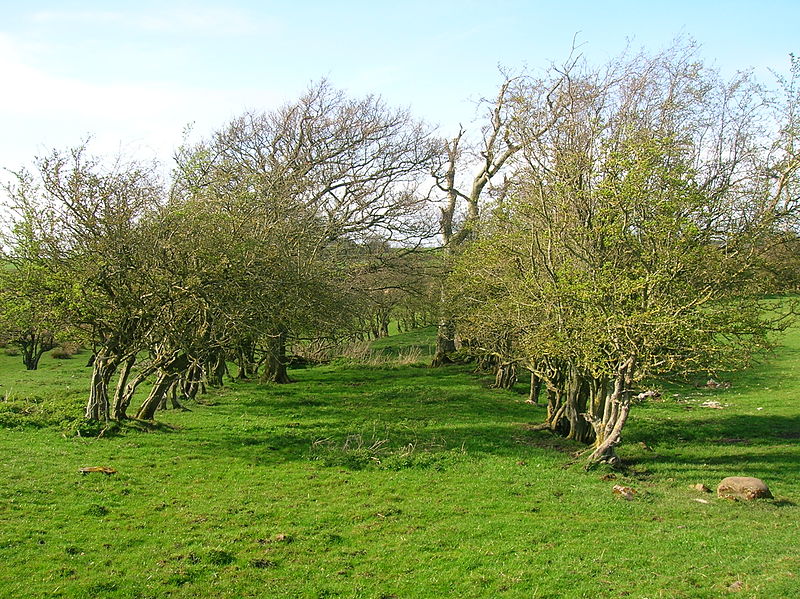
x: 647, y: 395
x: 743, y: 487
x: 103, y: 469
x: 624, y: 492
x: 698, y: 500
x: 700, y: 487
x: 736, y: 586
x: 711, y: 404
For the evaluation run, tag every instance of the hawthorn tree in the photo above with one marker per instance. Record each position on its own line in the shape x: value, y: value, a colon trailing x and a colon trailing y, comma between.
x: 318, y: 176
x: 627, y: 245
x: 77, y: 219
x: 29, y: 314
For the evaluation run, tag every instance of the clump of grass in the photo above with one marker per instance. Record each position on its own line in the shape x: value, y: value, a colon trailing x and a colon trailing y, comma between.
x: 362, y: 353
x: 358, y: 452
x: 37, y: 411
x: 61, y: 353
x: 219, y: 557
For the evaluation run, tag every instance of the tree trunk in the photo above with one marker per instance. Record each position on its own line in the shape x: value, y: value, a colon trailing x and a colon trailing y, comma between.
x: 615, y: 415
x: 445, y: 343
x: 192, y: 381
x: 383, y: 318
x: 275, y: 363
x: 97, y: 408
x: 124, y: 400
x: 246, y: 361
x: 158, y: 393
x: 505, y: 375
x: 569, y: 394
x: 33, y: 346
x: 173, y: 395
x: 121, y: 401
x: 536, y: 385
x: 217, y: 369
x: 168, y: 373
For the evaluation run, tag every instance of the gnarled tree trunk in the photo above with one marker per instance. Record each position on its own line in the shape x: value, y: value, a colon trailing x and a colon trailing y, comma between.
x: 615, y: 415
x: 97, y: 407
x: 505, y: 375
x: 275, y: 370
x: 121, y: 401
x: 445, y: 343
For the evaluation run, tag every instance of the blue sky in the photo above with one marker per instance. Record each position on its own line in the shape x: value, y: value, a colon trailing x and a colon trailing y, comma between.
x: 134, y: 74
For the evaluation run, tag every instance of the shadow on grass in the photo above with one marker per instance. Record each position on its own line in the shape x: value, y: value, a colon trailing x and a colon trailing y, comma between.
x: 738, y: 429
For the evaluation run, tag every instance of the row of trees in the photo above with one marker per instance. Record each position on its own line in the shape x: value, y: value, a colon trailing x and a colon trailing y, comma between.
x: 643, y: 207
x: 603, y: 226
x: 275, y: 229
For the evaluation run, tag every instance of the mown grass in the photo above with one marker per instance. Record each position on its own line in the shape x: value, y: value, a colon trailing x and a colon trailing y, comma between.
x: 394, y: 482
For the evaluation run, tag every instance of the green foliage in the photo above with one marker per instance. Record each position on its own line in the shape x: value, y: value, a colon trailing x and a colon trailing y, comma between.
x: 628, y: 245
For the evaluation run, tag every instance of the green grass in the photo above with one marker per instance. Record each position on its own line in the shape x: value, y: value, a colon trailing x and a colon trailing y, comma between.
x: 394, y: 482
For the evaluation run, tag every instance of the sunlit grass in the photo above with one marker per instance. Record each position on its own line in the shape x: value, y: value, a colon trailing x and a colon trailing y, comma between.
x: 390, y: 481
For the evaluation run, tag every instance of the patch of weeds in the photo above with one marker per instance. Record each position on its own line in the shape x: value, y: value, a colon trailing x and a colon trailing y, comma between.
x: 100, y: 588
x: 263, y: 563
x: 219, y: 557
x: 34, y: 411
x: 358, y: 453
x: 96, y: 510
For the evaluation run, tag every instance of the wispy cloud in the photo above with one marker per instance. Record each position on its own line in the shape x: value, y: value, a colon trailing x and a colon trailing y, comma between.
x: 41, y: 110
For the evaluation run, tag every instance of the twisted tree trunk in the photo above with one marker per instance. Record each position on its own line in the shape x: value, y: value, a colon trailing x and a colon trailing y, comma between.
x: 615, y: 415
x: 121, y: 400
x: 97, y: 407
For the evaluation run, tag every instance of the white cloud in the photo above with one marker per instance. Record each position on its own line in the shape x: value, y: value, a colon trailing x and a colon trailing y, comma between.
x: 40, y: 110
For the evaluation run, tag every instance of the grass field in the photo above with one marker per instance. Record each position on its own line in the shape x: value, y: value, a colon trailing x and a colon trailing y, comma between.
x: 389, y: 481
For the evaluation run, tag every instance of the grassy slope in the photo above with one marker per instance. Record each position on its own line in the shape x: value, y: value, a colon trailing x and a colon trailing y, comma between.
x: 405, y: 482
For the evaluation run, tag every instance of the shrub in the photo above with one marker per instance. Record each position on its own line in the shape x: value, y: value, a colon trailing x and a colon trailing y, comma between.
x: 61, y: 353
x: 72, y: 347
